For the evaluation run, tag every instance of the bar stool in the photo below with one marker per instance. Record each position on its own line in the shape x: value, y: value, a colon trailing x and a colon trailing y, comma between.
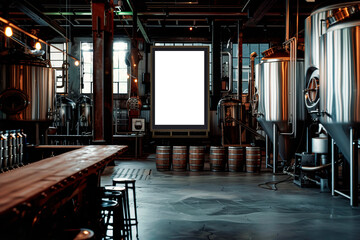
x: 129, y: 184
x: 109, y: 209
x: 125, y: 211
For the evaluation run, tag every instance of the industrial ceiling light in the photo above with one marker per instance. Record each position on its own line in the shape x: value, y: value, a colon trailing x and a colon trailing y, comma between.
x: 38, y: 45
x: 8, y: 31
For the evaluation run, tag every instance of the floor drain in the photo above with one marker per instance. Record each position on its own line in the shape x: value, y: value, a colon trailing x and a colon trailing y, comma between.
x: 138, y: 174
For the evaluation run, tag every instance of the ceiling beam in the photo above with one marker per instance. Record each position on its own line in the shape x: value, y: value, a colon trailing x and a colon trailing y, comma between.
x: 39, y: 17
x: 260, y: 12
x: 139, y: 23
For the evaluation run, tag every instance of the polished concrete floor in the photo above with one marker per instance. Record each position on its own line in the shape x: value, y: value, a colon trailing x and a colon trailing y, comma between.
x: 224, y: 205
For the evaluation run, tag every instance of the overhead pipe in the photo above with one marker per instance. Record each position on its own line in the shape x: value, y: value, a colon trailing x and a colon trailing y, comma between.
x: 287, y: 25
x: 239, y: 69
x: 251, y: 88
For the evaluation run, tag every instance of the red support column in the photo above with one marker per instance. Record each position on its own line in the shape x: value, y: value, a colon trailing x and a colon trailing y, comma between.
x: 103, y: 35
x: 108, y: 73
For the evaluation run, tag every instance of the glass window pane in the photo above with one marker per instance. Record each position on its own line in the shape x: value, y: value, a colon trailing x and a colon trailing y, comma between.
x: 87, y: 57
x: 254, y: 48
x: 123, y: 76
x: 56, y: 56
x: 116, y: 75
x: 115, y: 87
x: 234, y: 62
x: 235, y: 87
x: 87, y: 77
x: 86, y: 46
x: 246, y: 51
x: 122, y: 63
x: 234, y: 50
x: 115, y: 60
x: 56, y: 64
x: 246, y: 62
x: 88, y: 68
x: 123, y: 87
x: 87, y: 87
x: 234, y: 76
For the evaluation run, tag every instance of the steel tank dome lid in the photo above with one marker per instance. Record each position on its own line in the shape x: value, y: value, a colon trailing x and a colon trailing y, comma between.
x: 330, y: 5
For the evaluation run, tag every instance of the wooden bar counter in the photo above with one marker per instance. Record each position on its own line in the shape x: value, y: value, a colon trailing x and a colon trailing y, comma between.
x: 34, y: 194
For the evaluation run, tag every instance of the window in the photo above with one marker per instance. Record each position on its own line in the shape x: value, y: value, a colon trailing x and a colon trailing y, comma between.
x: 57, y: 59
x: 87, y: 67
x: 120, y: 69
x: 247, y: 50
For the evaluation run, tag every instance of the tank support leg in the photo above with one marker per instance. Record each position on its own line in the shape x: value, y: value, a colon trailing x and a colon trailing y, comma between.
x: 353, y: 169
x: 267, y: 153
x: 275, y: 147
x: 334, y: 167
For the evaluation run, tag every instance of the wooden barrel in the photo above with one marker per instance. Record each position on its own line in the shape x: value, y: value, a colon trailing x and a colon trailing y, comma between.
x: 235, y: 158
x: 179, y: 158
x: 196, y: 158
x: 217, y: 159
x: 253, y: 158
x: 163, y: 158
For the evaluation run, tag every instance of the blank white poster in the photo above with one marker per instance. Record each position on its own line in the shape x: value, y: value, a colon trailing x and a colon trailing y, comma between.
x: 179, y: 88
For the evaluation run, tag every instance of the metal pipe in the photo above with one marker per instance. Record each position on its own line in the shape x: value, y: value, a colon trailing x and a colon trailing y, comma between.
x: 251, y: 88
x: 297, y: 19
x: 312, y: 180
x: 354, y: 201
x: 287, y: 27
x: 292, y: 92
x: 246, y: 4
x: 333, y: 167
x: 239, y: 70
x: 311, y: 169
x: 275, y: 147
x: 342, y: 194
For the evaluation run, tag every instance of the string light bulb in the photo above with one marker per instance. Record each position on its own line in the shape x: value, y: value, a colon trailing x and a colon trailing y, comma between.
x: 8, y: 31
x: 77, y: 63
x: 190, y: 28
x: 38, y: 45
x: 135, y: 80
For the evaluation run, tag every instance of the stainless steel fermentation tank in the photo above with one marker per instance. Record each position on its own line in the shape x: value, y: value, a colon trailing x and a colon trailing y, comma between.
x: 340, y: 94
x: 281, y: 110
x: 315, y: 26
x: 27, y: 97
x: 27, y: 92
x: 332, y: 68
x: 340, y: 82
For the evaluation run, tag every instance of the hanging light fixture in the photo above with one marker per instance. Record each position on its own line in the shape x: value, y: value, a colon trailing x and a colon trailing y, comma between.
x: 77, y: 63
x: 38, y: 45
x: 8, y: 31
